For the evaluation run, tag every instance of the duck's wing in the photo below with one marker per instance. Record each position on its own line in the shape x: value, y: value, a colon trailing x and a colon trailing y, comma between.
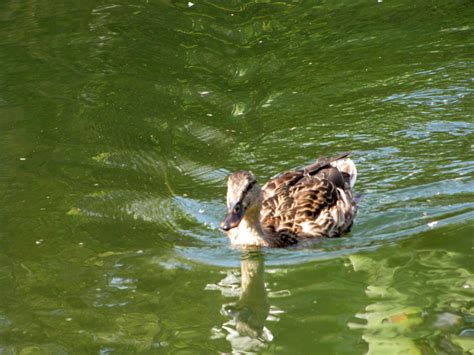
x: 322, y: 208
x: 322, y: 168
x: 277, y: 207
x: 321, y: 163
x: 313, y: 201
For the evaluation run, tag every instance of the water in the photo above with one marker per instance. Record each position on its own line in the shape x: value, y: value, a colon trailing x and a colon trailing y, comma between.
x: 120, y: 121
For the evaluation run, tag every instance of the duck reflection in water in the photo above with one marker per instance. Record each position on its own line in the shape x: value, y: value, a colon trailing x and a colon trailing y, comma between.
x: 246, y: 330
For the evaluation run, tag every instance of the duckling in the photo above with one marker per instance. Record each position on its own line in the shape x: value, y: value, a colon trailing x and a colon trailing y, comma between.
x: 298, y: 205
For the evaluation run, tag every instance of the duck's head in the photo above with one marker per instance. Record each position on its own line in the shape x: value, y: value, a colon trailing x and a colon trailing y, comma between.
x: 244, y: 197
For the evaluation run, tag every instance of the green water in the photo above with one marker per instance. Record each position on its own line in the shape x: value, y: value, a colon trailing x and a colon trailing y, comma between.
x: 120, y: 121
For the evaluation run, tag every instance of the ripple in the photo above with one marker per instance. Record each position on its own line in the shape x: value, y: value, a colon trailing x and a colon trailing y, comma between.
x: 201, y: 173
x: 120, y: 123
x: 149, y: 162
x: 434, y: 97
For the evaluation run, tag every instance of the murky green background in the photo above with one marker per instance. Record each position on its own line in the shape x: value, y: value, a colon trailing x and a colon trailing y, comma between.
x: 119, y: 122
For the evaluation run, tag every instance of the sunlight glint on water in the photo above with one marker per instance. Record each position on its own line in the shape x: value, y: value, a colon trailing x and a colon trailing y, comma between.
x: 120, y: 122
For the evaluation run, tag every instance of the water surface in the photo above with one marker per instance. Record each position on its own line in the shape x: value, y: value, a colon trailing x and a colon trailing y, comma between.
x: 119, y: 122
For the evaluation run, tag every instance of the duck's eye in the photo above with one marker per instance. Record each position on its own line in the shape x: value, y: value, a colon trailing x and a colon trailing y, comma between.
x: 237, y: 209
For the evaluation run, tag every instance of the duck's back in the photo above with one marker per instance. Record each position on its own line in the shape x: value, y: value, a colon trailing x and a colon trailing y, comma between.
x: 315, y: 201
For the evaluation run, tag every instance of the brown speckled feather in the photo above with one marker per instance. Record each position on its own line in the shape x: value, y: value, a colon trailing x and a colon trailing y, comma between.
x: 315, y: 201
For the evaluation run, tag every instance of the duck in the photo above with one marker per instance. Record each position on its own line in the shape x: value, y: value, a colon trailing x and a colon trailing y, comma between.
x: 297, y: 206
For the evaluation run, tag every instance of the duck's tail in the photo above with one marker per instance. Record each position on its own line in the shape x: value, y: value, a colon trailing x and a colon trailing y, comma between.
x: 342, y: 162
x: 347, y: 166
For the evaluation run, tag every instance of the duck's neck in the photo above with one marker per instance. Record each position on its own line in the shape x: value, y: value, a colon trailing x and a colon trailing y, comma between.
x: 250, y: 232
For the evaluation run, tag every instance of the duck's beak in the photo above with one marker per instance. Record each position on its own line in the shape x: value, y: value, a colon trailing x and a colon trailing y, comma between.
x: 232, y: 219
